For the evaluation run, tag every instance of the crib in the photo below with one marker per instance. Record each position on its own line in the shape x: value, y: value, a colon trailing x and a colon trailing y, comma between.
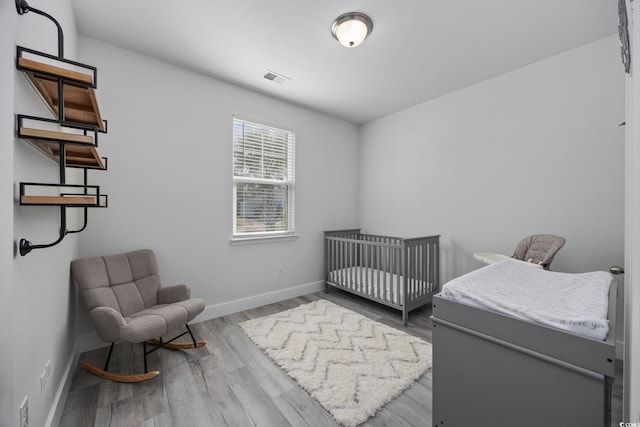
x: 397, y: 272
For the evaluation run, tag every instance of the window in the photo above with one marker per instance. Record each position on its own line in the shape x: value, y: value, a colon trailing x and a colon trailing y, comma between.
x: 263, y: 180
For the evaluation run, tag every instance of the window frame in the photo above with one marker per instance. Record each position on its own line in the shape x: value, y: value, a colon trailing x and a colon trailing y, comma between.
x: 289, y: 182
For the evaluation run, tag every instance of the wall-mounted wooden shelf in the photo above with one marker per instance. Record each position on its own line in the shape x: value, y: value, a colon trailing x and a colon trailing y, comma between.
x: 52, y: 135
x: 66, y: 195
x: 54, y: 71
x: 59, y: 200
x: 76, y: 155
x: 69, y: 201
x: 79, y: 81
x: 80, y: 104
x: 49, y: 136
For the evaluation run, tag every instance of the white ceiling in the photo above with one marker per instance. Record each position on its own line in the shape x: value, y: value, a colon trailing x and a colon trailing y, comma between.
x: 418, y: 50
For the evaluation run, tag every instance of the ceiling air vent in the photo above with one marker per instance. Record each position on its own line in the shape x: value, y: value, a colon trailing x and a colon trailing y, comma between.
x: 275, y: 77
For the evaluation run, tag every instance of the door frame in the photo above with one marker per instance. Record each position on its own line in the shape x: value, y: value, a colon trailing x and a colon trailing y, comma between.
x: 631, y: 380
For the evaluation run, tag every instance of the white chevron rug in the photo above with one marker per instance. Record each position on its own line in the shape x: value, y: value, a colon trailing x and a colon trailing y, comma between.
x: 352, y: 365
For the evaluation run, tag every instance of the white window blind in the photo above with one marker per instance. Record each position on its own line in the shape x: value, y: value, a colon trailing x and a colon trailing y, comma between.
x: 263, y: 180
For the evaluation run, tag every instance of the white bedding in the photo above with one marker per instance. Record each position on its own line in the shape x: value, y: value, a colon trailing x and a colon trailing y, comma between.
x: 577, y: 303
x: 351, y: 278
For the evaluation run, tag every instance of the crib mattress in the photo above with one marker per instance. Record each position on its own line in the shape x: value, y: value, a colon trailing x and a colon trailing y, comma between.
x: 576, y: 303
x: 377, y: 283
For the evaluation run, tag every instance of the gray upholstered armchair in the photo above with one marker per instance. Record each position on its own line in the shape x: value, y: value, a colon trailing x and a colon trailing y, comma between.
x: 126, y: 303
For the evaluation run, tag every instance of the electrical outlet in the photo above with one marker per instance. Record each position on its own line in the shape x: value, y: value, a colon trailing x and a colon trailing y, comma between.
x: 280, y: 271
x: 24, y: 412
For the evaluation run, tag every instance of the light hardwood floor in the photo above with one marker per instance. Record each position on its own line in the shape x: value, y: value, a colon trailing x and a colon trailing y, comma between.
x: 230, y: 382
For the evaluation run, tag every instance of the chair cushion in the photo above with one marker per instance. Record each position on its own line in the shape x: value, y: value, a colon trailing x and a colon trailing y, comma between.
x: 126, y: 282
x: 539, y: 248
x: 159, y: 320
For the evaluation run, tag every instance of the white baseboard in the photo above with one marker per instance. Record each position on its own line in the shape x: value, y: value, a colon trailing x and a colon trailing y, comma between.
x: 59, y: 400
x: 230, y: 307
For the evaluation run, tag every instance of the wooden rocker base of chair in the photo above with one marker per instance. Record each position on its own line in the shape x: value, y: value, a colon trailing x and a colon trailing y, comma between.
x: 133, y: 378
x: 178, y: 346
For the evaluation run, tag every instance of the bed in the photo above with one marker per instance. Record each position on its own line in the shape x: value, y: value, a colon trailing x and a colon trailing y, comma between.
x: 397, y: 272
x: 546, y: 358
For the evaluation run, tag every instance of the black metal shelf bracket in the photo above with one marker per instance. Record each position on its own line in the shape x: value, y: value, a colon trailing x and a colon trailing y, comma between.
x: 23, y: 7
x: 26, y: 246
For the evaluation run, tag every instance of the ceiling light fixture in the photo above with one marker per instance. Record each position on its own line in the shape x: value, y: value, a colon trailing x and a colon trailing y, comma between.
x: 350, y: 29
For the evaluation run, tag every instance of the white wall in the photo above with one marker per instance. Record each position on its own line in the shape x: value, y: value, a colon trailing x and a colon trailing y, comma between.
x: 41, y: 307
x: 537, y: 150
x: 170, y: 185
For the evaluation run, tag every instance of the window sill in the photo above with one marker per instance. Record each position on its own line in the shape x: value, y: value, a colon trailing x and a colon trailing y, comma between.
x: 262, y: 239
